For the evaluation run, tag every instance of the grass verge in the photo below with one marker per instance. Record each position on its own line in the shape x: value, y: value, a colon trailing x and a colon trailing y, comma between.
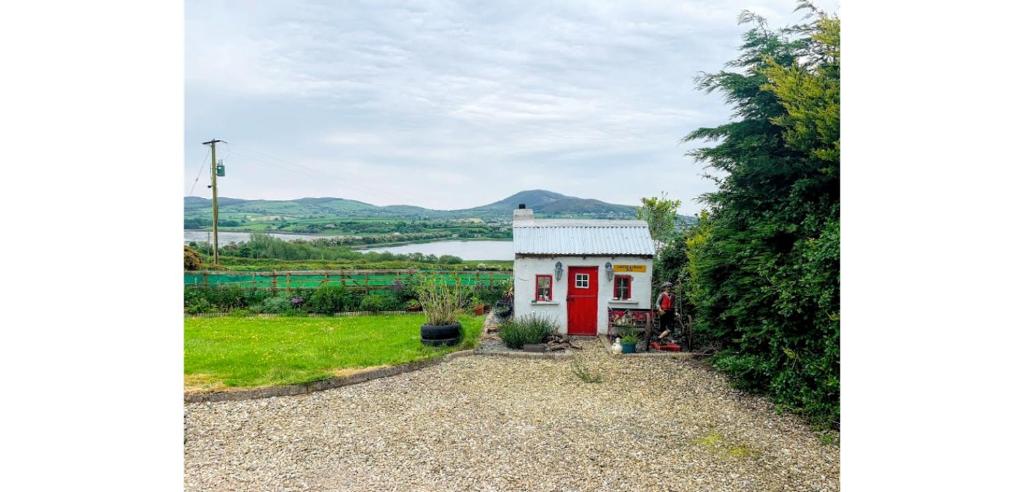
x: 247, y: 352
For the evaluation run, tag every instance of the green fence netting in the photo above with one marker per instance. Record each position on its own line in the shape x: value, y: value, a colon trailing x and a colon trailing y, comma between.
x: 309, y: 280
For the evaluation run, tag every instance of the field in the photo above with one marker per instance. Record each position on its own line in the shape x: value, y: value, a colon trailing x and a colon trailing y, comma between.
x: 232, y: 351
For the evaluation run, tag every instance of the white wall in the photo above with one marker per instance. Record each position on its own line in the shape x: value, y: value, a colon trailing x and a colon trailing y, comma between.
x: 525, y: 270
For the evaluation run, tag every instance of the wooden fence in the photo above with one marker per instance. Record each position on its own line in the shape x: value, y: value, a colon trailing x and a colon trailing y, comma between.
x: 366, y: 279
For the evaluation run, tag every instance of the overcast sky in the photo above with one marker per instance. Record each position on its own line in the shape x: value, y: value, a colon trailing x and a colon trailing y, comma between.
x: 456, y: 104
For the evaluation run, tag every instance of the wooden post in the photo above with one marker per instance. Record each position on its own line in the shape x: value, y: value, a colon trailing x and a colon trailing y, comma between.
x: 490, y: 280
x: 327, y: 278
x: 206, y: 279
x: 366, y: 281
x: 288, y: 282
x: 254, y: 280
x: 273, y: 281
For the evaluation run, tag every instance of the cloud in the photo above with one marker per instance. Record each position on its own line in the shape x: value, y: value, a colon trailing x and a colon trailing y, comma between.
x: 454, y: 104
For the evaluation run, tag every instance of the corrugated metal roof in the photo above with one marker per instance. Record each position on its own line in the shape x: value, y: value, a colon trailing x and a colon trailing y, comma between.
x: 582, y: 237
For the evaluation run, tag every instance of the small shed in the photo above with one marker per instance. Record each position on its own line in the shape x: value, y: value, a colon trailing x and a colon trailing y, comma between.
x: 575, y: 272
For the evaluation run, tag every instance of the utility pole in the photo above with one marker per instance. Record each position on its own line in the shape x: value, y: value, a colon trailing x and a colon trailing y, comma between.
x: 213, y: 186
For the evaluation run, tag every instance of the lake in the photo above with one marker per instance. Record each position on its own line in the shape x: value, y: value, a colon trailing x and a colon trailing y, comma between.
x: 467, y: 250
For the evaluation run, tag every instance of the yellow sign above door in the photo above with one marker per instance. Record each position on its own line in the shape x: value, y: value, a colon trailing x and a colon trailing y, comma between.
x: 629, y: 268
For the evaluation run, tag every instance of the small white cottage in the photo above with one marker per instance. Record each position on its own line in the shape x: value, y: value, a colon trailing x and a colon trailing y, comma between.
x: 575, y: 271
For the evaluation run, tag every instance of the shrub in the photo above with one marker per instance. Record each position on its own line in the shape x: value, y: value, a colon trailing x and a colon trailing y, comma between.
x: 327, y: 299
x: 379, y: 302
x: 198, y: 305
x: 192, y: 259
x: 490, y: 294
x: 441, y: 301
x: 276, y: 305
x: 526, y: 329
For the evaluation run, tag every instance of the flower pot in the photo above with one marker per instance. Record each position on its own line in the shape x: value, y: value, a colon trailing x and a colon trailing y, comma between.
x: 629, y: 348
x: 440, y: 335
x: 479, y: 309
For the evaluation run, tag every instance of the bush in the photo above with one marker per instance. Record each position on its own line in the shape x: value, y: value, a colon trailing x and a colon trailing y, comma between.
x: 276, y: 305
x: 379, y: 302
x: 490, y: 294
x: 441, y: 301
x: 192, y: 259
x: 198, y: 305
x: 327, y: 299
x: 526, y: 329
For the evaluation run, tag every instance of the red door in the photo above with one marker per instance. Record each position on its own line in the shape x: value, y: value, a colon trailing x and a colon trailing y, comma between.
x: 582, y: 301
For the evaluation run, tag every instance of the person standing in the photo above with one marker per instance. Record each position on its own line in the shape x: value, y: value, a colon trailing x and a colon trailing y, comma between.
x: 666, y: 304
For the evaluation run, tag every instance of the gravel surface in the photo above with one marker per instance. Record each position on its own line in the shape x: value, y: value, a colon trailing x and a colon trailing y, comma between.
x: 495, y: 423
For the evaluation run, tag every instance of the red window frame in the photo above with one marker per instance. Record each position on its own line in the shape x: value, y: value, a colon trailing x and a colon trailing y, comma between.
x: 629, y: 287
x: 536, y: 288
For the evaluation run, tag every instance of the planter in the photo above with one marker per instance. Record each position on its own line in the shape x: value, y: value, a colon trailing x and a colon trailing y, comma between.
x: 479, y: 309
x: 441, y: 335
x: 629, y: 348
x: 503, y: 309
x: 666, y: 347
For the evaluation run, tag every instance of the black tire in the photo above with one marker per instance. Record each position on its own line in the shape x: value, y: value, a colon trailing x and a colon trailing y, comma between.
x: 442, y: 332
x: 442, y: 342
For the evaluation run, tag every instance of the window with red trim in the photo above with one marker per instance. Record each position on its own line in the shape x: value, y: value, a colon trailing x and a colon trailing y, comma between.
x: 623, y: 287
x: 543, y: 288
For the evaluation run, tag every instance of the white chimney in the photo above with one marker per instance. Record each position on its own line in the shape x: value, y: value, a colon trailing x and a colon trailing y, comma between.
x: 522, y: 213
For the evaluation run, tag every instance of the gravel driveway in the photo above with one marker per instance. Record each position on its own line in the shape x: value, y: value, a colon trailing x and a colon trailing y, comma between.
x: 496, y: 423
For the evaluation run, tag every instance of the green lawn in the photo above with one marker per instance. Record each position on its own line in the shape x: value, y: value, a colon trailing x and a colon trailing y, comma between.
x: 262, y: 351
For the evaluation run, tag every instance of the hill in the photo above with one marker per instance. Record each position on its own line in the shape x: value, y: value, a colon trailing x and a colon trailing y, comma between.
x: 544, y: 203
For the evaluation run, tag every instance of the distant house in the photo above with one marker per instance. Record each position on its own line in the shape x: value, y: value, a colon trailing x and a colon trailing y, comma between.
x: 576, y: 271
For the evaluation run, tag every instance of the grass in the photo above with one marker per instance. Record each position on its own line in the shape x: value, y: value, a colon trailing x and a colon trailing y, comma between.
x: 584, y: 374
x: 233, y: 351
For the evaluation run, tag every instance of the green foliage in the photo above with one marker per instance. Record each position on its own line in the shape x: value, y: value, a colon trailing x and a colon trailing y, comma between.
x: 380, y: 301
x: 583, y: 373
x: 660, y: 215
x: 760, y: 270
x: 522, y: 330
x: 280, y: 304
x: 442, y: 301
x: 627, y: 333
x: 490, y: 294
x: 328, y: 299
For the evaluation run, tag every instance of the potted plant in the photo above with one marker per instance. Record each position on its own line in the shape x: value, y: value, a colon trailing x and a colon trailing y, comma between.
x: 479, y: 307
x: 628, y: 340
x: 441, y: 304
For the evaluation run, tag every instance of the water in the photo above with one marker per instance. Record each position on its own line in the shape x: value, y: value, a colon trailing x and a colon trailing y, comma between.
x: 467, y: 250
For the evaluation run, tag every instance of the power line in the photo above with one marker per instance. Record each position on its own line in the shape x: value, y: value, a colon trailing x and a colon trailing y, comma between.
x: 200, y: 173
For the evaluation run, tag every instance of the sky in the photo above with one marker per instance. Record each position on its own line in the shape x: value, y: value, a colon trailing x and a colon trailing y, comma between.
x: 452, y: 105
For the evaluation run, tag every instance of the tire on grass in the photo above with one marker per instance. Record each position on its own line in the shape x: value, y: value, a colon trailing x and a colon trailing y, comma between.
x: 450, y: 342
x: 440, y: 332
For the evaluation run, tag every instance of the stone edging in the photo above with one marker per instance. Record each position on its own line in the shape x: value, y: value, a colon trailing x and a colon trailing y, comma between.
x: 325, y: 384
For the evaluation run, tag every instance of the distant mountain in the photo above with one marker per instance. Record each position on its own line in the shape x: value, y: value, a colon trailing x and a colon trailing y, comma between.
x: 544, y: 204
x: 550, y: 204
